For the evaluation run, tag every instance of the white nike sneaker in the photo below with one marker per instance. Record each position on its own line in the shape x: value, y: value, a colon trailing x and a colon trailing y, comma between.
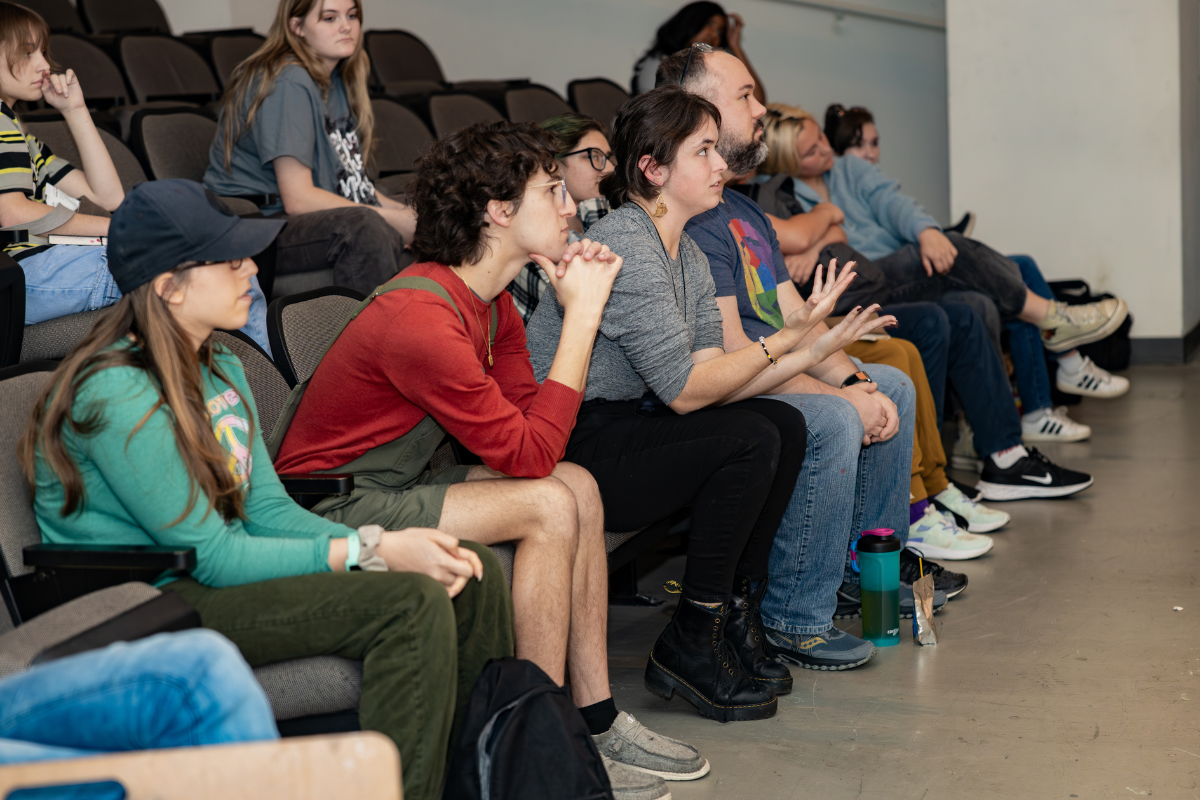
x: 1052, y: 425
x: 1091, y: 381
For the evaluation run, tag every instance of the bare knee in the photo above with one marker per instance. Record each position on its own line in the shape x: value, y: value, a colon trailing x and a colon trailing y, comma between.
x: 582, y: 485
x: 556, y: 512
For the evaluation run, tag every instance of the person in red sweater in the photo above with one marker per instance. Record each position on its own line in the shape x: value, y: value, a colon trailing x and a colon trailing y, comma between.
x: 441, y: 350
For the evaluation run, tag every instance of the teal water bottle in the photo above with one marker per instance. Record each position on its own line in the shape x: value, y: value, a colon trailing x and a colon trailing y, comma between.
x: 879, y: 569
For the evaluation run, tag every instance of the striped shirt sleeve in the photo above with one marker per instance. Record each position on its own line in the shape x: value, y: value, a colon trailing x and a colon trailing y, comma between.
x: 16, y: 163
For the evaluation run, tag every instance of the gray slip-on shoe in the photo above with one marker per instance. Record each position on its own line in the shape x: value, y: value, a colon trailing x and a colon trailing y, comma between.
x: 632, y: 744
x: 629, y: 784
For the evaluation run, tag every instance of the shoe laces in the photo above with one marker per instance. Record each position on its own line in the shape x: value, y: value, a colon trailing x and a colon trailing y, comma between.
x: 1084, y: 314
x: 930, y: 567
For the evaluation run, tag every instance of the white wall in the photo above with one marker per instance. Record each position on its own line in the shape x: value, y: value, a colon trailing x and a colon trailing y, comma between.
x: 1065, y: 137
x: 804, y: 55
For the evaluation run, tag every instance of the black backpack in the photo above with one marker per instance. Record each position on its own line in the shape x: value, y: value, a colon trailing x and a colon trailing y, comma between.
x: 522, y: 737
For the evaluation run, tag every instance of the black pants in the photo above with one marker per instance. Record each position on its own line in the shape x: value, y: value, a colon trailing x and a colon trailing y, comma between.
x: 735, y: 465
x: 978, y: 267
x: 356, y: 243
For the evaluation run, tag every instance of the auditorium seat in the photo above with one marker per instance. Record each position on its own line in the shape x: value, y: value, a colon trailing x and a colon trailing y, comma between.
x: 534, y: 104
x: 450, y: 112
x: 162, y: 68
x: 400, y: 139
x: 121, y: 16
x: 598, y: 98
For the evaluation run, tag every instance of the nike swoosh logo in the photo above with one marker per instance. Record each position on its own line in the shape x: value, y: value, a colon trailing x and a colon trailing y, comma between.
x: 1045, y: 480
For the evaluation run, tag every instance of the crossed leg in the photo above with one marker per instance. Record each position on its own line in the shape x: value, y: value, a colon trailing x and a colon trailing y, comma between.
x: 560, y: 572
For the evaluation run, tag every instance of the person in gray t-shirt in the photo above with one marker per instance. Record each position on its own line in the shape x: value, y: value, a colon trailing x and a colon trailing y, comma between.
x: 670, y: 420
x: 295, y: 135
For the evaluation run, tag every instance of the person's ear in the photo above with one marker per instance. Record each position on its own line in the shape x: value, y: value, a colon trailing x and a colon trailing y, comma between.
x: 653, y: 172
x: 166, y: 287
x: 297, y: 26
x: 499, y: 213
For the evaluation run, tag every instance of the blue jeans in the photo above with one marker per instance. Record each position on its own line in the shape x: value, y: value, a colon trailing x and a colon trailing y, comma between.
x: 69, y: 279
x: 1025, y: 345
x: 170, y: 690
x: 955, y: 340
x: 844, y: 488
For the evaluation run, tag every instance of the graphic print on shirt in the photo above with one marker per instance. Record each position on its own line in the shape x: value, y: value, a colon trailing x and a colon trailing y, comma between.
x: 233, y: 432
x: 758, y: 269
x: 353, y: 183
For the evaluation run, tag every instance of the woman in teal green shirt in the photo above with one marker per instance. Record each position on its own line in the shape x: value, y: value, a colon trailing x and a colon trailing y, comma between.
x: 147, y: 435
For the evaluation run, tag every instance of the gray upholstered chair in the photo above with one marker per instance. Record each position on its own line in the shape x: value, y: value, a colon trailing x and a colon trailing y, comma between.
x: 228, y: 51
x: 309, y: 695
x: 403, y: 65
x: 104, y: 84
x: 58, y: 137
x: 598, y: 98
x: 162, y: 68
x: 60, y: 15
x: 119, y: 16
x: 173, y: 143
x: 54, y: 338
x: 450, y: 112
x: 400, y: 139
x: 534, y: 104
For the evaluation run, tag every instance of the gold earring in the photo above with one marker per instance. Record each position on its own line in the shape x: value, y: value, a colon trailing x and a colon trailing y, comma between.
x: 660, y: 210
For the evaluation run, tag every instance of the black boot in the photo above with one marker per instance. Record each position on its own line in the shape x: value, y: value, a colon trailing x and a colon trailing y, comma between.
x: 744, y: 630
x: 692, y: 657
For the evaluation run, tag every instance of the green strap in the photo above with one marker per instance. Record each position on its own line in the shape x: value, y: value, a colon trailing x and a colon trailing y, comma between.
x: 404, y: 282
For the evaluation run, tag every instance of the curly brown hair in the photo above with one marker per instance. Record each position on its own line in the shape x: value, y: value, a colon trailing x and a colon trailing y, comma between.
x: 461, y: 173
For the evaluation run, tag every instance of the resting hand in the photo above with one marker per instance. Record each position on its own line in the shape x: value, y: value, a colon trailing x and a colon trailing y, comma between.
x: 430, y: 552
x: 824, y: 296
x: 800, y: 266
x: 583, y: 277
x: 937, y: 253
x: 836, y: 215
x: 62, y: 92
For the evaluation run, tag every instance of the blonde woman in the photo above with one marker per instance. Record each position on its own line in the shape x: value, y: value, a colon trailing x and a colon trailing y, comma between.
x: 295, y: 135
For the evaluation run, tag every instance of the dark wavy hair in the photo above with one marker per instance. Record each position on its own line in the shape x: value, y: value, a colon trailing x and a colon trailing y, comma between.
x: 677, y: 32
x: 461, y: 173
x: 844, y: 126
x: 655, y: 124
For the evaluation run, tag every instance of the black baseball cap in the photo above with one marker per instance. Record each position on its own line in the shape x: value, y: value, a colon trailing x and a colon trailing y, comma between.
x: 162, y: 224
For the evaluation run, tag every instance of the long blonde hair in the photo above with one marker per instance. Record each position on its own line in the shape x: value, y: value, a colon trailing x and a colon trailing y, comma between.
x: 284, y: 47
x: 781, y: 125
x: 165, y: 352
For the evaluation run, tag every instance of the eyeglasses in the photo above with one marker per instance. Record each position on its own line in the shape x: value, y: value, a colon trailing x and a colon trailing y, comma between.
x: 559, y: 182
x: 595, y: 155
x: 703, y: 48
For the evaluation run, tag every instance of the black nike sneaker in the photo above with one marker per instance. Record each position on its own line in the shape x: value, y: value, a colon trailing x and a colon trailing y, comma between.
x: 952, y: 583
x: 849, y: 598
x: 1032, y: 476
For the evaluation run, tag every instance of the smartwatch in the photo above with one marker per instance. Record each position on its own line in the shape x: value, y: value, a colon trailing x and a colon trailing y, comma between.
x: 858, y: 377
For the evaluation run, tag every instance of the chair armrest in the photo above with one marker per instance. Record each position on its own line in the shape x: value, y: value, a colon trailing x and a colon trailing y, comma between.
x: 347, y: 766
x: 311, y: 483
x: 164, y: 614
x: 101, y: 556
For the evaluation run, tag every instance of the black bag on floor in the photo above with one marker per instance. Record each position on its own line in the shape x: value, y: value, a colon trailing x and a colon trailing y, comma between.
x: 522, y: 737
x: 1111, y: 353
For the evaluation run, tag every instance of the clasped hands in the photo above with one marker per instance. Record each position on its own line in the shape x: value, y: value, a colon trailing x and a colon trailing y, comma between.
x: 583, y: 277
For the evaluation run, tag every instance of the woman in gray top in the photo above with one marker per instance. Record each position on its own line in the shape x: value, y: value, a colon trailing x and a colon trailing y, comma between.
x: 670, y: 420
x: 295, y: 135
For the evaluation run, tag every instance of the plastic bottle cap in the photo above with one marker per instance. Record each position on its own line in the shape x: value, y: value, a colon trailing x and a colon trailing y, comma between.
x: 878, y: 532
x: 878, y: 540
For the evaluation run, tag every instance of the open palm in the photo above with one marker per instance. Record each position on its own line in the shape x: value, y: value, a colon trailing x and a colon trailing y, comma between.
x: 852, y: 328
x: 824, y: 296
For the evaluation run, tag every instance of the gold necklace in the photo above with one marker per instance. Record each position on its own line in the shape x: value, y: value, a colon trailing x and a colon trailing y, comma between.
x: 486, y: 340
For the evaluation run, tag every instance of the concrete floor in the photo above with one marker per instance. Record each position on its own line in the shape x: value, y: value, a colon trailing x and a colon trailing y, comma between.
x: 1062, y: 671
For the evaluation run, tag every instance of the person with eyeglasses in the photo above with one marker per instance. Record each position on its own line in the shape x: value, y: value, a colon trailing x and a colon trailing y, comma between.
x: 585, y: 158
x: 440, y: 351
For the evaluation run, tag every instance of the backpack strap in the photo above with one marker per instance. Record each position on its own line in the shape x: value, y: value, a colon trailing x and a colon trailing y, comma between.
x: 403, y: 282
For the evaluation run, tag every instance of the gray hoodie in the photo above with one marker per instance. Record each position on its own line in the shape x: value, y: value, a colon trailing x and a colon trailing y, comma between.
x: 659, y: 313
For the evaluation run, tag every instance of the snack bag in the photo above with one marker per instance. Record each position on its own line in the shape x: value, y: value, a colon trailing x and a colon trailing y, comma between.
x: 923, y: 632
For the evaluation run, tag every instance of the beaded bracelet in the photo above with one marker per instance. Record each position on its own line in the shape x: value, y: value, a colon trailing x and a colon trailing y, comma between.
x: 762, y: 340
